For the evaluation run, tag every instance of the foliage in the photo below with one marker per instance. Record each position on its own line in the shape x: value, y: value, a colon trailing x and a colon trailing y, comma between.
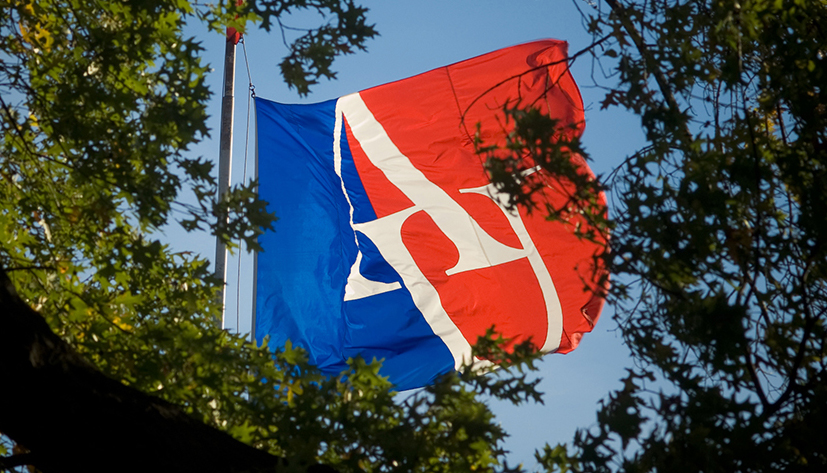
x: 536, y: 141
x: 718, y: 235
x: 100, y: 104
x: 720, y: 238
x: 313, y: 51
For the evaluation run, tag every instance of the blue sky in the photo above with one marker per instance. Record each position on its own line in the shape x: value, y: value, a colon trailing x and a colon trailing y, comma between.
x: 416, y: 37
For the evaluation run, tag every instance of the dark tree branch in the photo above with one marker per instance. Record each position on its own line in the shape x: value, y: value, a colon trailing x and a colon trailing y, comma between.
x: 756, y: 382
x: 651, y: 64
x: 72, y: 418
x: 567, y: 60
x: 21, y: 459
x: 792, y: 375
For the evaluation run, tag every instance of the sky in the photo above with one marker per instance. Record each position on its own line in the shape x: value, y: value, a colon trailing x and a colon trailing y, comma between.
x: 416, y: 37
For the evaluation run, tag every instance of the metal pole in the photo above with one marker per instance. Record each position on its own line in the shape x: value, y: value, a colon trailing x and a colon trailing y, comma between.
x: 225, y: 158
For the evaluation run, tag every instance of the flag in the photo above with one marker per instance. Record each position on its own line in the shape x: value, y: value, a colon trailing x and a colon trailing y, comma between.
x: 391, y: 242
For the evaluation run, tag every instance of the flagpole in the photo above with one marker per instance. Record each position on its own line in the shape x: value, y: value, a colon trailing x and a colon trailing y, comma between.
x: 225, y: 157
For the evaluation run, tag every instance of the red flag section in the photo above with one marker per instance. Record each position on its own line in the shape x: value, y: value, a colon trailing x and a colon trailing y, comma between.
x: 441, y: 111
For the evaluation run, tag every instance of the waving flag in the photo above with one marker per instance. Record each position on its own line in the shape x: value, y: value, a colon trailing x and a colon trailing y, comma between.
x: 391, y: 242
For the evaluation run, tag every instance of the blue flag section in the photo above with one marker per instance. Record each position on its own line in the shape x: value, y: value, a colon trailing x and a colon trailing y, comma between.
x: 392, y: 243
x: 302, y: 274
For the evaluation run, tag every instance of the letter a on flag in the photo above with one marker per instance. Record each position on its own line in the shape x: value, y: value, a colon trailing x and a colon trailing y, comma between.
x: 391, y: 241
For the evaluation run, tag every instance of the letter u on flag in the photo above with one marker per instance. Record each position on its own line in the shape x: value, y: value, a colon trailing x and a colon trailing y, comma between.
x: 391, y: 242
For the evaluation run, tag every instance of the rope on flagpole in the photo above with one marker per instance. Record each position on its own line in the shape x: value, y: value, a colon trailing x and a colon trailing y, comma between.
x: 249, y: 77
x: 250, y: 96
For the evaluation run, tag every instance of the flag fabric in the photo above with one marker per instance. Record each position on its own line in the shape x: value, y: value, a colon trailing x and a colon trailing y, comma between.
x: 392, y: 243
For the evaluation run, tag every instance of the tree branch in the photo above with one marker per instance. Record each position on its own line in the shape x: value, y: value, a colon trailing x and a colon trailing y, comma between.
x: 21, y: 459
x: 651, y: 67
x: 756, y: 382
x: 810, y: 322
x: 75, y: 419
